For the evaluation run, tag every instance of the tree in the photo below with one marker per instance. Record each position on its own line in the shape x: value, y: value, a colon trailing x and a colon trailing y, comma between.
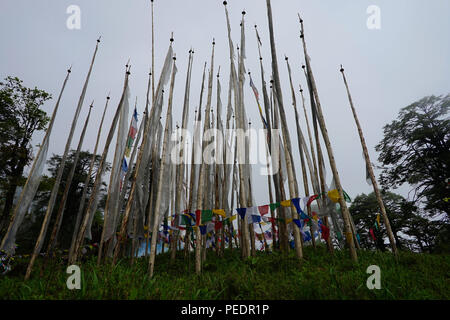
x: 416, y: 150
x: 409, y: 223
x: 20, y: 118
x: 29, y: 231
x: 364, y: 210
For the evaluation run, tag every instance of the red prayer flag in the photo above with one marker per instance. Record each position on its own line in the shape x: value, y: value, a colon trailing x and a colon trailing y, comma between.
x: 311, y: 199
x: 325, y: 232
x: 218, y: 225
x: 263, y: 209
x: 372, y: 234
x: 198, y: 214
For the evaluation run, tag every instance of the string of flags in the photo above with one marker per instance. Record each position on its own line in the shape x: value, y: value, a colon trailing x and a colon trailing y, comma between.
x: 207, y: 220
x: 377, y: 226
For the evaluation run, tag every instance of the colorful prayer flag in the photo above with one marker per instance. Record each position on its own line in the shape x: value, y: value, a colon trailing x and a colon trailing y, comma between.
x: 286, y: 203
x: 263, y: 210
x: 132, y: 133
x: 220, y: 212
x: 241, y: 212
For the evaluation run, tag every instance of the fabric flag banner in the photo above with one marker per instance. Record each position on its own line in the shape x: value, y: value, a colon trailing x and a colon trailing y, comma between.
x: 256, y: 219
x: 372, y: 234
x: 305, y: 201
x: 218, y: 225
x: 233, y: 217
x: 250, y: 213
x: 298, y: 223
x: 311, y: 199
x: 304, y: 216
x: 296, y: 203
x: 286, y: 203
x: 263, y: 210
x: 255, y: 91
x: 210, y: 227
x: 268, y: 235
x: 346, y: 196
x: 131, y: 133
x: 325, y: 232
x: 203, y: 230
x: 275, y: 205
x: 123, y: 172
x: 307, y: 236
x: 207, y: 215
x: 241, y: 212
x: 333, y: 195
x: 220, y: 212
x: 198, y: 214
x: 378, y: 219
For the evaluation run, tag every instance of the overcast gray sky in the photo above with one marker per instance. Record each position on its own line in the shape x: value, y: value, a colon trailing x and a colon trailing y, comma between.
x: 387, y: 69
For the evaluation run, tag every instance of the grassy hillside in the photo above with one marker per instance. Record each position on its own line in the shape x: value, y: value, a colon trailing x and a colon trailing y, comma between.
x: 266, y: 276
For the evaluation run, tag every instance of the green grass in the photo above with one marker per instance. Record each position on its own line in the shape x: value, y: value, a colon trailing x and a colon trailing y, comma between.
x: 266, y: 276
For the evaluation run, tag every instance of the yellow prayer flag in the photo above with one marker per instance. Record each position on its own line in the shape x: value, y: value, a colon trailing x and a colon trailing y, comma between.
x: 220, y: 212
x: 286, y: 203
x: 378, y: 219
x: 233, y: 217
x: 288, y: 221
x: 333, y: 195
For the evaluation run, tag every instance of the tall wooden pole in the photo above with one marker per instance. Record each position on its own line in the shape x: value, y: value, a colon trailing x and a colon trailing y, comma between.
x: 301, y: 146
x: 51, y: 203
x: 179, y: 180
x: 161, y: 181
x: 293, y: 187
x: 90, y: 210
x: 370, y: 169
x: 62, y: 204
x: 86, y: 184
x: 345, y: 212
x: 203, y: 170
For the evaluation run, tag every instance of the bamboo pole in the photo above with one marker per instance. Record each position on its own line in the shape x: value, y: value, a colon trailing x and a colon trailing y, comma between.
x: 293, y: 187
x: 322, y: 190
x: 301, y: 146
x: 62, y: 204
x: 237, y: 85
x: 161, y: 181
x: 153, y: 54
x: 98, y: 177
x: 118, y: 158
x: 150, y: 128
x: 345, y: 213
x: 86, y: 185
x: 370, y: 169
x: 52, y: 200
x: 180, y: 167
x: 203, y: 170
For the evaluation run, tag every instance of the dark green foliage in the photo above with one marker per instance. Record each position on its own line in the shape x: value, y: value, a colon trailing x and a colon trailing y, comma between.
x: 29, y: 230
x: 20, y: 118
x: 416, y: 150
x: 266, y: 276
x: 410, y: 226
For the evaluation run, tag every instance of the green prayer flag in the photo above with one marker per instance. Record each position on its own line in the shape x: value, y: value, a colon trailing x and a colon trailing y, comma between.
x: 275, y: 205
x: 207, y: 215
x: 346, y: 197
